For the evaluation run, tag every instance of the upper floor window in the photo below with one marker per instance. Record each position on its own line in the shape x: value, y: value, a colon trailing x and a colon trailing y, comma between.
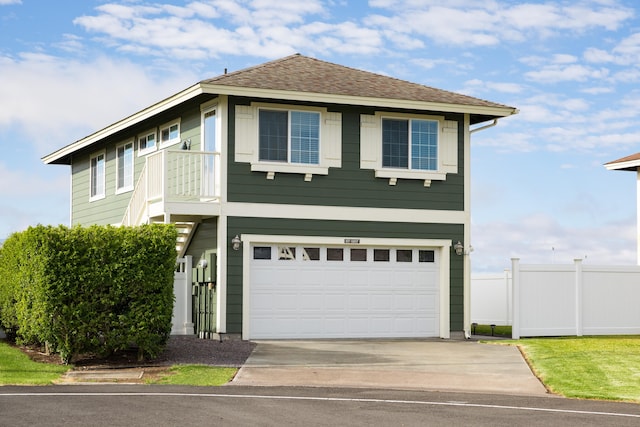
x: 277, y: 138
x: 124, y: 167
x: 289, y: 136
x: 146, y: 142
x: 170, y: 134
x: 410, y: 144
x: 97, y: 176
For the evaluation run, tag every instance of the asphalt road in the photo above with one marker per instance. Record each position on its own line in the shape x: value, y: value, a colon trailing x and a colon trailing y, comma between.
x: 132, y: 405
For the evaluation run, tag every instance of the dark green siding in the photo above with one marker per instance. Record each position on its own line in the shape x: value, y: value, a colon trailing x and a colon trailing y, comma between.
x: 240, y: 225
x: 345, y: 186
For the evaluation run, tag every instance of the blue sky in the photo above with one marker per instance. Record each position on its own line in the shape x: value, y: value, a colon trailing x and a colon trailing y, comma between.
x: 539, y: 190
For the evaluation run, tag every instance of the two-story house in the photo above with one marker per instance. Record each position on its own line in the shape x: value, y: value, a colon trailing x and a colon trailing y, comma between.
x: 328, y: 202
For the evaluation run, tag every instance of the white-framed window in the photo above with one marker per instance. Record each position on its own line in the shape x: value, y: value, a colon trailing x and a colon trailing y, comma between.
x: 277, y: 138
x: 124, y: 167
x: 97, y: 176
x: 147, y: 142
x: 408, y: 146
x: 170, y: 134
x: 289, y: 136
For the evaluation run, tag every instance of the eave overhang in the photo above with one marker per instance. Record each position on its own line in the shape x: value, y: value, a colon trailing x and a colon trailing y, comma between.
x: 478, y: 114
x: 62, y: 155
x: 631, y: 165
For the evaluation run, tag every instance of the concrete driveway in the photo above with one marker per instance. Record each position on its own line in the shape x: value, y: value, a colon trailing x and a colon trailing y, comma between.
x: 431, y: 364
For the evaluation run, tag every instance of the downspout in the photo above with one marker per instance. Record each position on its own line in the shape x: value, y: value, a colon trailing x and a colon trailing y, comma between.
x: 490, y: 125
x: 467, y: 259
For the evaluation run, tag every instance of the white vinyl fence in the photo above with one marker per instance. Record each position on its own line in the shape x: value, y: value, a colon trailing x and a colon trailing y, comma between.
x: 491, y: 299
x: 559, y: 300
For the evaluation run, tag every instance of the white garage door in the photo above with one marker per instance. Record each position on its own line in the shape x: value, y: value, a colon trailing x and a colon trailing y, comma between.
x: 340, y: 292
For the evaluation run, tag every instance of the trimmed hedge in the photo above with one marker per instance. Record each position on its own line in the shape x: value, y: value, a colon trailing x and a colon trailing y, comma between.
x: 89, y: 290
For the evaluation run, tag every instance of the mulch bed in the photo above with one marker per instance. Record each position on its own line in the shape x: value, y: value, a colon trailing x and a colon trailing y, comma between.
x: 180, y: 350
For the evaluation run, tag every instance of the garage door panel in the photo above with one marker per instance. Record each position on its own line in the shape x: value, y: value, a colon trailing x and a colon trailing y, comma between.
x: 381, y: 302
x: 335, y: 302
x: 311, y: 301
x: 358, y: 302
x: 302, y: 298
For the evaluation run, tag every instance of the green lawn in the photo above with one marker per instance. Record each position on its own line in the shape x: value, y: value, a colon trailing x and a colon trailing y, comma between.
x: 17, y: 369
x: 602, y: 367
x: 198, y: 375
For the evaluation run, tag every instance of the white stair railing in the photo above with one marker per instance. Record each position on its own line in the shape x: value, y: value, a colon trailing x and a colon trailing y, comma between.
x: 137, y: 205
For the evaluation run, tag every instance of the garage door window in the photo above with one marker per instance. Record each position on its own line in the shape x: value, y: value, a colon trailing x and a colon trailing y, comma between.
x: 404, y: 255
x: 335, y: 254
x: 262, y: 252
x: 358, y: 254
x: 426, y: 256
x: 381, y: 255
x: 311, y: 254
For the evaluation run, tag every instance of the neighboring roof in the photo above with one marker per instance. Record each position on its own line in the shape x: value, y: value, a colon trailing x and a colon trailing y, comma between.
x: 629, y: 163
x: 301, y: 78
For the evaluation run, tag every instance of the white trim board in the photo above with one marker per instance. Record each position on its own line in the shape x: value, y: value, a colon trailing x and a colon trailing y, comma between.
x: 343, y: 213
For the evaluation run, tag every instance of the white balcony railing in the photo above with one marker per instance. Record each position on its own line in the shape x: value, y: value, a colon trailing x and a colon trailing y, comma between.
x: 174, y: 176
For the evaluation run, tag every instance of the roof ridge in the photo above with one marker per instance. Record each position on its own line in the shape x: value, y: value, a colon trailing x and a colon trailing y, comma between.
x: 252, y: 67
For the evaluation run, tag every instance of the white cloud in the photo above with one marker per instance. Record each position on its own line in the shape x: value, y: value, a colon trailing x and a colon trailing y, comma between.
x: 67, y: 99
x: 18, y: 183
x: 31, y: 193
x: 263, y: 28
x: 563, y: 58
x: 489, y: 23
x: 478, y: 86
x: 540, y: 239
x: 558, y: 73
x: 597, y: 90
x: 9, y: 2
x: 260, y: 28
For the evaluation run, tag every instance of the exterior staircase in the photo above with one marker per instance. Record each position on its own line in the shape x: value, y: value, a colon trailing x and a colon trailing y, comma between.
x: 186, y: 230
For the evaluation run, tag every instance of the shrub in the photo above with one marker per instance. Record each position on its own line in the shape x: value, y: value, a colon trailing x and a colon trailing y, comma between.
x: 90, y: 290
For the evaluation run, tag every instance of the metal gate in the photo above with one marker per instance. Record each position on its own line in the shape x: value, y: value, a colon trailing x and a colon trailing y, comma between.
x: 205, y: 298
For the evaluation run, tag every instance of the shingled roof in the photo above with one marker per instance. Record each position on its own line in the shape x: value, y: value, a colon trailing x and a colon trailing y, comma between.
x: 301, y: 73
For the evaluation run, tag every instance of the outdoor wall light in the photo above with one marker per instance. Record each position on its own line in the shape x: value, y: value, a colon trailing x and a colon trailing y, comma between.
x: 186, y: 144
x: 236, y: 242
x: 458, y: 248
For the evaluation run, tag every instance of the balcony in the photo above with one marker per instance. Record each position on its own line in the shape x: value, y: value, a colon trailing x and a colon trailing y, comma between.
x: 176, y: 186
